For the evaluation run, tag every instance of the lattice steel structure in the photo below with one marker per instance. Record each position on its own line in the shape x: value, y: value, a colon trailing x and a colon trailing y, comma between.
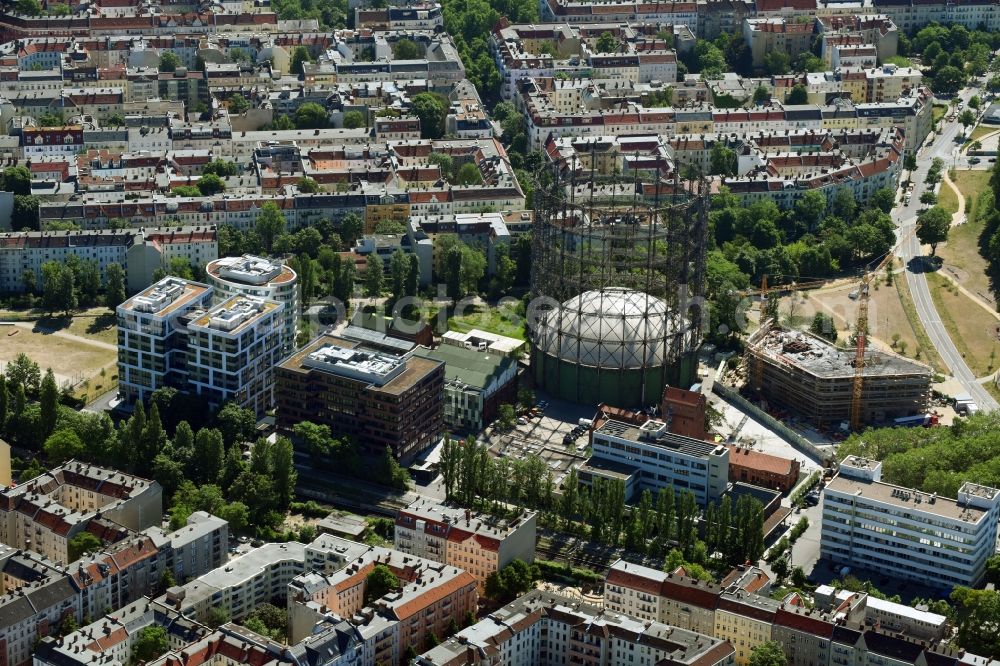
x: 617, y: 283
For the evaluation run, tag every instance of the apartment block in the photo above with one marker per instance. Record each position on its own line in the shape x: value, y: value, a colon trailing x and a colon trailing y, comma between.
x: 259, y: 278
x: 547, y: 629
x: 906, y: 533
x: 194, y: 549
x: 152, y: 336
x: 138, y: 252
x: 243, y: 583
x: 430, y: 596
x: 738, y: 611
x: 378, y: 399
x: 477, y: 542
x: 768, y: 34
x: 651, y: 457
x: 43, y: 514
x: 232, y: 350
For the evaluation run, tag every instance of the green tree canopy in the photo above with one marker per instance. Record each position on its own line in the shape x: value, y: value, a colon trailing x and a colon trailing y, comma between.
x: 169, y: 61
x: 380, y: 582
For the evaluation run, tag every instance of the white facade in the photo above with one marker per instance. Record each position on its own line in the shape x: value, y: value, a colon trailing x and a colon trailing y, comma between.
x: 905, y: 533
x: 665, y: 460
x: 260, y: 278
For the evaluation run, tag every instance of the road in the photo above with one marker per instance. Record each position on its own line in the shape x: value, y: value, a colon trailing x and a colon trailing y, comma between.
x: 944, y: 147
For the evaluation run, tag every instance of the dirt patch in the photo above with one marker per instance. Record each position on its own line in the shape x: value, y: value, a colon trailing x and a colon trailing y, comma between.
x: 972, y: 329
x: 72, y: 361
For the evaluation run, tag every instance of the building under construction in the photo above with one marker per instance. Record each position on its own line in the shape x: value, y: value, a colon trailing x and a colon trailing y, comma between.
x: 618, y: 266
x: 815, y: 379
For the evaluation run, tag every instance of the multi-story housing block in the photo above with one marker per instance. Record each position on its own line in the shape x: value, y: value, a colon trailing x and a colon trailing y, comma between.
x: 138, y: 252
x: 43, y: 514
x: 906, y: 533
x: 260, y: 278
x: 547, y: 629
x: 479, y: 543
x: 232, y: 350
x: 379, y: 400
x: 152, y: 336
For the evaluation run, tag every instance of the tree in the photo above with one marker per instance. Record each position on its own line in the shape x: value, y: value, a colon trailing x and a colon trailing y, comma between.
x: 824, y: 327
x: 209, y: 453
x: 300, y: 56
x: 762, y: 94
x: 975, y: 102
x: 967, y: 118
x: 16, y: 179
x: 797, y: 95
x: 270, y: 224
x: 374, y: 276
x: 58, y: 287
x: 351, y: 228
x: 884, y: 199
x: 722, y: 160
x: 443, y: 162
x: 768, y: 653
x: 431, y: 110
x: 25, y: 211
x: 169, y: 62
x: 48, y: 398
x: 23, y: 372
x: 63, y: 445
x: 928, y: 197
x: 80, y: 544
x: 468, y: 174
x: 89, y: 282
x: 933, y: 226
x: 210, y: 184
x: 238, y: 104
x: 380, y: 582
x: 150, y: 644
x: 776, y: 61
x: 311, y: 116
x: 809, y: 209
x: 948, y: 80
x: 353, y: 120
x: 283, y: 471
x: 237, y: 424
x: 977, y: 611
x: 29, y: 7
x: 216, y: 616
x: 406, y: 49
x: 114, y: 286
x: 506, y: 417
x: 607, y: 43
x: 221, y: 168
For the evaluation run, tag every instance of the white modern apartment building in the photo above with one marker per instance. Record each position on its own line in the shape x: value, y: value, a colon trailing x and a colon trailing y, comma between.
x: 906, y: 533
x: 232, y: 350
x: 152, y: 336
x: 649, y: 456
x: 260, y: 278
x: 479, y: 543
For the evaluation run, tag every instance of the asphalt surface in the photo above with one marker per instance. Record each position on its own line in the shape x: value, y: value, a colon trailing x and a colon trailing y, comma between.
x: 944, y: 147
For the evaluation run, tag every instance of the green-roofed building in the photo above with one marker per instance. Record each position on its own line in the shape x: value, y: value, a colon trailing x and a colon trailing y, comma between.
x: 476, y: 384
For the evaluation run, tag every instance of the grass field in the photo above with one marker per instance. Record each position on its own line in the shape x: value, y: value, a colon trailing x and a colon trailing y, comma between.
x: 971, y: 328
x: 979, y: 132
x: 961, y: 256
x: 938, y: 112
x: 502, y: 321
x: 72, y: 361
x: 947, y: 198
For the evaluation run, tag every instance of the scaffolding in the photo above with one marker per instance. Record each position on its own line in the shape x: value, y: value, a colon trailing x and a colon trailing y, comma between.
x: 618, y: 268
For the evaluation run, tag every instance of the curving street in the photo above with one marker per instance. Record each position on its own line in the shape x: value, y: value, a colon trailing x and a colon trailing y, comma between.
x: 944, y: 147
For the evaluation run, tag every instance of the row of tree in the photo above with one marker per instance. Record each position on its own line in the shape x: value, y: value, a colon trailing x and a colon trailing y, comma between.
x: 599, y: 512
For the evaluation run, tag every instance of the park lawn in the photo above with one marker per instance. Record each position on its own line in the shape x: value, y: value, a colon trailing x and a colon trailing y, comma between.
x: 502, y: 321
x: 972, y: 329
x: 72, y: 361
x: 947, y: 198
x: 102, y: 327
x: 979, y: 132
x: 961, y: 252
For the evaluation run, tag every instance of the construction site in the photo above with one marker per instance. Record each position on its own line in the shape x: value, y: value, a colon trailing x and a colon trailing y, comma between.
x: 815, y: 379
